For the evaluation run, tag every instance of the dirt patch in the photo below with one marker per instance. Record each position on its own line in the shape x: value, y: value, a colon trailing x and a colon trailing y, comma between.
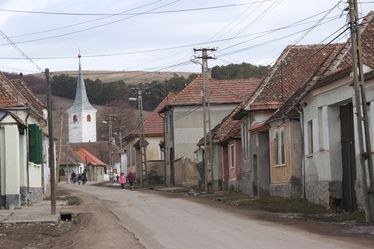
x: 92, y: 226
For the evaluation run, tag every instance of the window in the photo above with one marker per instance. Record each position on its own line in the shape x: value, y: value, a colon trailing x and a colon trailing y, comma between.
x: 75, y: 118
x: 88, y: 118
x: 279, y: 147
x: 232, y: 156
x: 310, y: 137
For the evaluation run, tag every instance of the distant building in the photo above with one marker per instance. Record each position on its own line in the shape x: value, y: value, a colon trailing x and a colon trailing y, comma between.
x: 81, y: 115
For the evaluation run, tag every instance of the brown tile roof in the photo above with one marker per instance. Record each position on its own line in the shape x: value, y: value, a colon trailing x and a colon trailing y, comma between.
x: 295, y: 65
x: 154, y: 123
x: 339, y: 65
x: 28, y: 96
x: 16, y: 93
x: 7, y: 97
x: 221, y: 91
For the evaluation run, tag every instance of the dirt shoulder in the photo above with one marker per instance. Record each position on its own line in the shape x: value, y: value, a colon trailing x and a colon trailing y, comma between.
x: 93, y: 226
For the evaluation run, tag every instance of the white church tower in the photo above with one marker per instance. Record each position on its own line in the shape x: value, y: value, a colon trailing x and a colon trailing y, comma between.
x: 82, y: 115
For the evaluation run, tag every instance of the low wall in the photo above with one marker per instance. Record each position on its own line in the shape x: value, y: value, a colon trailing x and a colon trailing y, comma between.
x: 186, y: 173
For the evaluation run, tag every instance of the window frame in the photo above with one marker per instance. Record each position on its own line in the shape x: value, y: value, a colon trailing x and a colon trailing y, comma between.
x: 279, y: 147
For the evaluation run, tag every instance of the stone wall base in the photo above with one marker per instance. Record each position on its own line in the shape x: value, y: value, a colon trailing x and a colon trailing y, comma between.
x: 286, y: 190
x: 10, y: 201
x: 33, y: 196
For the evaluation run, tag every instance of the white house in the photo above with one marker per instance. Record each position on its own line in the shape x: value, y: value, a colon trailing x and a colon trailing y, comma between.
x: 23, y: 155
x: 183, y: 117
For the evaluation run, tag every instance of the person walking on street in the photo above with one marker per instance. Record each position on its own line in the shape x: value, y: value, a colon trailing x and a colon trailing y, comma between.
x: 122, y: 180
x: 131, y: 178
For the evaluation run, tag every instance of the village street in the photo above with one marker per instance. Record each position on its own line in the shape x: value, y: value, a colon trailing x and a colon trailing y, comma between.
x: 162, y: 222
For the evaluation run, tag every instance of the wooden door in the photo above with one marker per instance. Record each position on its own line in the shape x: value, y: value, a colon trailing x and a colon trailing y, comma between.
x: 348, y: 157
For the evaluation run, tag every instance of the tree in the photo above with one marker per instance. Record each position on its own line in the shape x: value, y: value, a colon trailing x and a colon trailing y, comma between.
x: 239, y: 71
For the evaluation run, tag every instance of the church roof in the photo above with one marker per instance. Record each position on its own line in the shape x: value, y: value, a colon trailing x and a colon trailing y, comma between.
x: 81, y: 101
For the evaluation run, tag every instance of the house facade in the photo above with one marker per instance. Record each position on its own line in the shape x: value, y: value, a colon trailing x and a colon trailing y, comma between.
x: 23, y: 179
x: 183, y: 115
x: 154, y: 140
x: 264, y: 153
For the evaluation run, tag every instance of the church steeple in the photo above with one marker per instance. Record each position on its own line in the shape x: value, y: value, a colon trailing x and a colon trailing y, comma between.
x: 82, y: 115
x: 81, y: 101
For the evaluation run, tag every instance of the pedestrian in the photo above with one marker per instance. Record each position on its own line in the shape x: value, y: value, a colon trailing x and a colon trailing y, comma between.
x: 79, y: 179
x: 131, y: 178
x: 73, y: 177
x: 117, y: 177
x: 84, y: 177
x: 122, y: 180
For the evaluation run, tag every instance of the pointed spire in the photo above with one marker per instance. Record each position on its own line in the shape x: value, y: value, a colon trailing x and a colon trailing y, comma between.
x: 81, y: 101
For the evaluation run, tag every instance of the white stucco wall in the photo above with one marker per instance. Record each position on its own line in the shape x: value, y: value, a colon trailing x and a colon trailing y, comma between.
x: 188, y: 126
x: 324, y: 165
x: 82, y: 130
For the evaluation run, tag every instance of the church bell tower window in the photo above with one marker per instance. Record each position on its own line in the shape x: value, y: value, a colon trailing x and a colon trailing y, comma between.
x: 88, y: 118
x: 75, y: 118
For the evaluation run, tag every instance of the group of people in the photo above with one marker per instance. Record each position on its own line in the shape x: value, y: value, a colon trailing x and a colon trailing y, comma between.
x: 80, y: 178
x: 130, y: 178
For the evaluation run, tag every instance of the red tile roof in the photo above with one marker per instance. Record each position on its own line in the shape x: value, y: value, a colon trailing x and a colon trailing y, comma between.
x: 88, y: 158
x: 99, y: 149
x: 16, y: 93
x: 221, y: 91
x: 296, y: 65
x: 337, y: 66
x: 7, y: 97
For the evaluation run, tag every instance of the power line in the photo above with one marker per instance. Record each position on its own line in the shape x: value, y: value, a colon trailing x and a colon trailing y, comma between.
x: 266, y: 32
x: 93, y: 27
x: 127, y: 14
x: 84, y: 22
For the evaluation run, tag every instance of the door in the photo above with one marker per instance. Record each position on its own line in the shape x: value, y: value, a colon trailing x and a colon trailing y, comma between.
x: 255, y: 176
x: 348, y: 157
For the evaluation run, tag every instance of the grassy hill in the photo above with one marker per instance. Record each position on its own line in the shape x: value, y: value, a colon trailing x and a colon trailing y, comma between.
x: 129, y: 77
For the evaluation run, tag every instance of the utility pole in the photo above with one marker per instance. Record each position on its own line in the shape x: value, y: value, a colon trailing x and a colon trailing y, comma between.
x: 362, y: 115
x: 143, y: 154
x: 110, y: 138
x: 59, y: 147
x: 208, y: 149
x: 120, y: 147
x: 51, y: 156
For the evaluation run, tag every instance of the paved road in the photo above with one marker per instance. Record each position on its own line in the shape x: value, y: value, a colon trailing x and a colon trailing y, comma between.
x: 162, y: 223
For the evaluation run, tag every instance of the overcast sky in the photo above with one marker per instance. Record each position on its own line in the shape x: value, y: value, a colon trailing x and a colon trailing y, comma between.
x: 148, y: 40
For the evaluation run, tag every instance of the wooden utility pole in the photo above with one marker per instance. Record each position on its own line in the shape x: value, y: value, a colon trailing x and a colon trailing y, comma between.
x: 208, y: 149
x: 143, y: 154
x: 366, y: 161
x: 51, y: 154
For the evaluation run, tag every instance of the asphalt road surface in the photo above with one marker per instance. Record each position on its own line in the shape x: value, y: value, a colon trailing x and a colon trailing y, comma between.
x: 161, y: 222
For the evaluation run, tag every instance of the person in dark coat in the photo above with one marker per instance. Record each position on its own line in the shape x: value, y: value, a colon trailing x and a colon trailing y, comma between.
x: 131, y: 177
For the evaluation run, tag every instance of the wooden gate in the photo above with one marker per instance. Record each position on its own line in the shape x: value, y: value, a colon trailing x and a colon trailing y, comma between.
x: 348, y: 157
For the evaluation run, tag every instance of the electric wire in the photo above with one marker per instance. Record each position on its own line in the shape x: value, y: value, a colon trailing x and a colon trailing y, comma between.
x: 92, y: 27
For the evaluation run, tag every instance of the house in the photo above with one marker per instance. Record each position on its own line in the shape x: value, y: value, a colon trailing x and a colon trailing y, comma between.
x: 226, y: 141
x: 69, y: 163
x: 184, y: 114
x: 24, y: 170
x: 329, y: 124
x: 265, y: 159
x: 94, y: 167
x: 154, y: 138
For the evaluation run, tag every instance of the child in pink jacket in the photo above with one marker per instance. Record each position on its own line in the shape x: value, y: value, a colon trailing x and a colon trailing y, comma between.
x: 122, y: 180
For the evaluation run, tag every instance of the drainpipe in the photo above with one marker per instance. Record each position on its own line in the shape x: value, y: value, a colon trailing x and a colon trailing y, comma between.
x: 27, y: 156
x: 300, y: 111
